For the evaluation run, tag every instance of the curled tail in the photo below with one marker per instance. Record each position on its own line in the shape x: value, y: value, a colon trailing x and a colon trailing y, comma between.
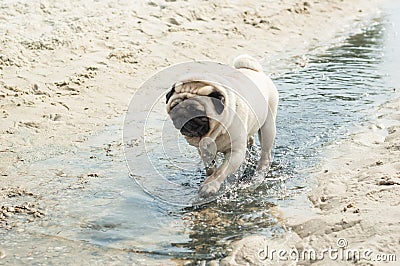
x: 246, y: 61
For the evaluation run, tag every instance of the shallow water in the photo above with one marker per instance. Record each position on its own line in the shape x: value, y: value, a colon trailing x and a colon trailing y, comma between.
x: 318, y: 104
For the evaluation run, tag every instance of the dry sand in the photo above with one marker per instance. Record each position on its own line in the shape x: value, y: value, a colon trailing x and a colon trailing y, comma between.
x: 358, y: 193
x: 68, y: 68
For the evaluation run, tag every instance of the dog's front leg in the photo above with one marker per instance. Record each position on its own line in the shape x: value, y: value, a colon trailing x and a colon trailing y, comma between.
x: 208, y: 151
x: 208, y: 161
x: 233, y: 160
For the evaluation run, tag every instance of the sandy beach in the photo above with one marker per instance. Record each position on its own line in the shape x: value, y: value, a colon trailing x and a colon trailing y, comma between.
x: 68, y: 69
x: 356, y: 200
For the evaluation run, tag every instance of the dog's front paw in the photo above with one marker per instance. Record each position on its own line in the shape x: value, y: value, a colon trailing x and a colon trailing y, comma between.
x: 210, y: 189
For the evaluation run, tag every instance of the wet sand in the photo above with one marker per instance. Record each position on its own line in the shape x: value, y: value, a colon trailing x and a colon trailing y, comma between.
x: 356, y: 198
x: 67, y: 69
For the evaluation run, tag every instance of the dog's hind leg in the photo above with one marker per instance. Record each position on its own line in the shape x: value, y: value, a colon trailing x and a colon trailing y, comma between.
x: 250, y: 142
x: 266, y: 134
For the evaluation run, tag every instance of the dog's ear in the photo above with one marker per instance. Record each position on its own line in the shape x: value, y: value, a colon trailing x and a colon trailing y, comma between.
x: 218, y: 101
x: 170, y: 93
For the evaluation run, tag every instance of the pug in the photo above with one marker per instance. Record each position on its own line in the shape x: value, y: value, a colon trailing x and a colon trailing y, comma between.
x: 221, y: 113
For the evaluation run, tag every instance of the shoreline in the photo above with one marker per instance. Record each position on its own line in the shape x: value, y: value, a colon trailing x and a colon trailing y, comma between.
x: 356, y: 198
x: 354, y: 204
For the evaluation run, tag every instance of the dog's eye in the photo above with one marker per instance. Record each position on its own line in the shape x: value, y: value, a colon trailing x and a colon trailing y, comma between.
x: 216, y: 95
x: 218, y: 101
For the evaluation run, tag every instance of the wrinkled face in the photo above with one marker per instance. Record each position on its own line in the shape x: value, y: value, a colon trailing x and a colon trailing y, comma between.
x: 190, y: 112
x: 190, y: 118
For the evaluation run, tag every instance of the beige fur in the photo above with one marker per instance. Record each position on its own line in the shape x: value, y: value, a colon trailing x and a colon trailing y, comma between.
x: 248, y: 110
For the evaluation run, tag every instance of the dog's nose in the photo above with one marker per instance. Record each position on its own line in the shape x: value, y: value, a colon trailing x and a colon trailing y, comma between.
x: 196, y: 127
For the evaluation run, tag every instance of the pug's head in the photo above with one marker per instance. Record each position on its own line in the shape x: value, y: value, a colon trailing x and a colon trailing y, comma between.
x: 192, y: 106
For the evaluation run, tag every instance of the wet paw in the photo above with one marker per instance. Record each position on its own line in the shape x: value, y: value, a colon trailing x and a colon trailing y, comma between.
x: 209, y: 189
